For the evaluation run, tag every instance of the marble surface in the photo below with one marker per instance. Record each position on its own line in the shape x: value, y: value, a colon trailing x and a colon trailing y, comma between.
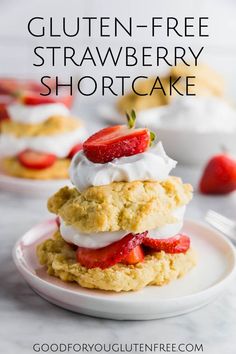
x: 26, y: 319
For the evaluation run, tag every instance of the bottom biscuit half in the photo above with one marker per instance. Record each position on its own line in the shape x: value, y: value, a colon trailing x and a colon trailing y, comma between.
x: 157, y: 269
x: 59, y: 170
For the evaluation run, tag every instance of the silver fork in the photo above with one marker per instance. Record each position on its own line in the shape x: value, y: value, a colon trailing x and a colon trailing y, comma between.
x: 222, y: 223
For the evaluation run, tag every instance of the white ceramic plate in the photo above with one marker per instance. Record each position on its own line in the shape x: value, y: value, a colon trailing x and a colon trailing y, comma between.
x: 30, y: 187
x: 214, y: 271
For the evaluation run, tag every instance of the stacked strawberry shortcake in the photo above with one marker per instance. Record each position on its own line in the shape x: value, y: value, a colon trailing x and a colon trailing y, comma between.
x: 39, y: 139
x: 119, y: 227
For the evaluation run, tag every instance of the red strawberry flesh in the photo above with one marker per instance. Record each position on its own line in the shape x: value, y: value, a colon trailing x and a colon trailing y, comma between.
x: 75, y: 149
x: 177, y: 244
x: 219, y: 176
x: 4, y: 102
x: 110, y: 255
x: 114, y: 142
x: 31, y: 98
x: 36, y: 160
x: 135, y: 256
x: 9, y: 86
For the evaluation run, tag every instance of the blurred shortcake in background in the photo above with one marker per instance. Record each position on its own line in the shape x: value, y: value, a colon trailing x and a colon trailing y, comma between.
x: 39, y: 137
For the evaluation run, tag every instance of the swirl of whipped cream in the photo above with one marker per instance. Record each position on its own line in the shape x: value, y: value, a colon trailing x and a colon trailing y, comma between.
x: 153, y: 164
x: 57, y: 144
x: 35, y: 114
x: 103, y: 239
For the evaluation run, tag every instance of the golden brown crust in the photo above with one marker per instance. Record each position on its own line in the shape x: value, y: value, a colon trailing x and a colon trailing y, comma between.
x: 52, y: 126
x: 59, y: 170
x: 156, y: 269
x: 131, y: 206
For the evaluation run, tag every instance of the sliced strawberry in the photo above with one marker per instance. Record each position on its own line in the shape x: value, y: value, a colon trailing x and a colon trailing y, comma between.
x: 177, y: 244
x: 36, y: 160
x: 31, y: 98
x: 219, y: 175
x: 118, y: 141
x: 10, y: 86
x: 108, y: 256
x: 75, y: 149
x: 114, y: 142
x: 135, y: 256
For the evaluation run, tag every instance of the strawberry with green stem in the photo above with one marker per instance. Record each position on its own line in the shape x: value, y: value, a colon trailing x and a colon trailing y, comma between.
x: 118, y: 141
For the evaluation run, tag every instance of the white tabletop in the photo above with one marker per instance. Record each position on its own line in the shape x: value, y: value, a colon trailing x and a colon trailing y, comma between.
x: 27, y: 319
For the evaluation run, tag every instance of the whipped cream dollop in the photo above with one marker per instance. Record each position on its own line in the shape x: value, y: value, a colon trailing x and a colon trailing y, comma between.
x: 198, y: 113
x: 103, y: 239
x: 35, y: 114
x: 153, y: 164
x: 57, y: 144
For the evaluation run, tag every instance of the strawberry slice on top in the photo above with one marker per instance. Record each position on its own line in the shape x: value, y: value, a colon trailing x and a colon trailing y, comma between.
x: 31, y: 98
x: 34, y: 99
x: 117, y: 141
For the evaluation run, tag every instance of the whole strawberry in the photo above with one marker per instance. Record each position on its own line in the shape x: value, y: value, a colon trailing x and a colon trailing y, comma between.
x: 219, y: 175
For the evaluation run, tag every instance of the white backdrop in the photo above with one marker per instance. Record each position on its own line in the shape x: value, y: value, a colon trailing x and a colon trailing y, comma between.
x: 16, y: 45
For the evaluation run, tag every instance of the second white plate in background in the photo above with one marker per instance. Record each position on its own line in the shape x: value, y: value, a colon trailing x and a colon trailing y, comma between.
x: 31, y: 187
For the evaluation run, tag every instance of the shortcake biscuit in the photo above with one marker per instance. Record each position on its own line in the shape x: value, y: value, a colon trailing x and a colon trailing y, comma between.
x: 131, y: 206
x: 52, y: 126
x: 157, y: 268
